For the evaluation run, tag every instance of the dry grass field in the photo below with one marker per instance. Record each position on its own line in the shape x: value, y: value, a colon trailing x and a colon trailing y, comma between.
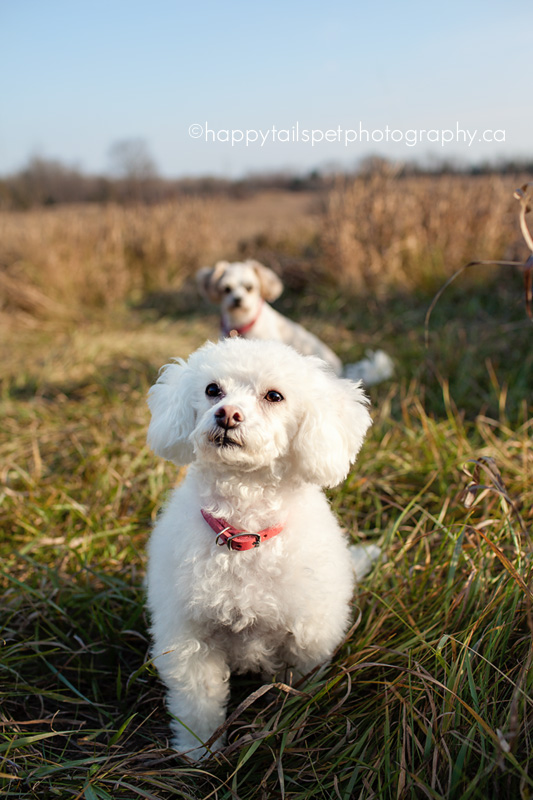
x: 71, y: 260
x: 369, y: 236
x: 430, y: 694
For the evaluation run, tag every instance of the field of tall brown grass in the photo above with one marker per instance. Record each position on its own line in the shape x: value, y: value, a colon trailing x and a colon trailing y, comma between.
x: 383, y: 233
x: 371, y: 235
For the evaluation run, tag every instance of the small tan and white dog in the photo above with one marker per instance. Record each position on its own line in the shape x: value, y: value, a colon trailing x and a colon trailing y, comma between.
x: 243, y: 290
x: 248, y: 568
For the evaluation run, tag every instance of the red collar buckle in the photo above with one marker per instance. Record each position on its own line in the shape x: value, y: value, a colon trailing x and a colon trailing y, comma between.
x: 238, y: 539
x: 227, y: 540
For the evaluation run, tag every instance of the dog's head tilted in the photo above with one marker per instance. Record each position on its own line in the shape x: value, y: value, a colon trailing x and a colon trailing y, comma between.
x: 252, y: 405
x: 240, y: 287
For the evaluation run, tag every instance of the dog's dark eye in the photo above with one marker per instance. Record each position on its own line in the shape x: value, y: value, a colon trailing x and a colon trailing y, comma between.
x: 248, y: 288
x: 213, y: 390
x: 274, y: 397
x: 227, y: 289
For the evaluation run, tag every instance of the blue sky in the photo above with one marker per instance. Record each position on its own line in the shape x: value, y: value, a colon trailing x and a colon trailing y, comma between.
x: 76, y: 77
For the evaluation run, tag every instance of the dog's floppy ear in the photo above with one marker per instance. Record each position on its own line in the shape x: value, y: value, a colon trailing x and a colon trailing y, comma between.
x: 270, y: 285
x: 207, y: 280
x: 173, y: 414
x: 332, y: 429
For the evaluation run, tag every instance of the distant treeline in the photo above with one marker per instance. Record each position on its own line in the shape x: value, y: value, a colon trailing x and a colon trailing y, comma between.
x: 48, y: 182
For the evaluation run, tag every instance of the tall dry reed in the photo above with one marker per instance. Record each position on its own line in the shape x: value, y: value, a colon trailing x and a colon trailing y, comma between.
x: 64, y: 259
x: 385, y: 231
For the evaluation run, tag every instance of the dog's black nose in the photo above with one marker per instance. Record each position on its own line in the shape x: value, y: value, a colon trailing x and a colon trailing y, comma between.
x: 228, y: 417
x: 237, y: 302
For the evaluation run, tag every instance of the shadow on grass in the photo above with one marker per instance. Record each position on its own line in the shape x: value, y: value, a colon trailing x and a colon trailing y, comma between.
x: 117, y: 377
x: 479, y: 337
x: 479, y: 352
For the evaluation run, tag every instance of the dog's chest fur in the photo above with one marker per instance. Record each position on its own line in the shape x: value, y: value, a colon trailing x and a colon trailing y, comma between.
x: 237, y: 590
x: 238, y: 600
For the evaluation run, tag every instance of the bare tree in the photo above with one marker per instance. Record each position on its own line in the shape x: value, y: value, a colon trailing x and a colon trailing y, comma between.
x: 134, y: 166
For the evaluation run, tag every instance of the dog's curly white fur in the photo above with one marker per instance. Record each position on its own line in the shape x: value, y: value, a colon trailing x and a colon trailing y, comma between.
x: 263, y: 428
x: 244, y: 291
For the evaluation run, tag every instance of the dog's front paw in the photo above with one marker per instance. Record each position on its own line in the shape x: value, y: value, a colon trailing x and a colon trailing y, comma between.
x: 194, y: 750
x: 195, y: 755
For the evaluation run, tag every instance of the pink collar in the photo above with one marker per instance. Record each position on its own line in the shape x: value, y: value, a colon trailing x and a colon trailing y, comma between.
x: 226, y: 331
x: 238, y: 539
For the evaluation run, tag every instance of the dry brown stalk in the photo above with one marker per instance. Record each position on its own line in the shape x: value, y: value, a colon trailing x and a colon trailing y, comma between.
x: 525, y: 196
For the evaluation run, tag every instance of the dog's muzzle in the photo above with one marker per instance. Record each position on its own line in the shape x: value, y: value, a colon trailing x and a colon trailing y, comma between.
x: 228, y: 417
x: 224, y: 433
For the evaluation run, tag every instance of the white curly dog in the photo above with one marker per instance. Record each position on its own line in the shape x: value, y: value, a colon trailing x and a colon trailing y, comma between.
x: 248, y: 568
x: 244, y: 290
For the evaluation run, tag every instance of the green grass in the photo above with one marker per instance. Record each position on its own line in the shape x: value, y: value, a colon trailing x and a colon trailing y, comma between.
x: 430, y: 694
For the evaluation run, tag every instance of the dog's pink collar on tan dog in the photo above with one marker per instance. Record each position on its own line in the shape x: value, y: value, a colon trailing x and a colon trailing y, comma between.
x: 238, y: 539
x: 243, y: 329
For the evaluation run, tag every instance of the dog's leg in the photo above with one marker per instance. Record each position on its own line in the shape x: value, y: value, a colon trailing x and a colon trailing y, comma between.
x: 198, y: 690
x: 314, y: 639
